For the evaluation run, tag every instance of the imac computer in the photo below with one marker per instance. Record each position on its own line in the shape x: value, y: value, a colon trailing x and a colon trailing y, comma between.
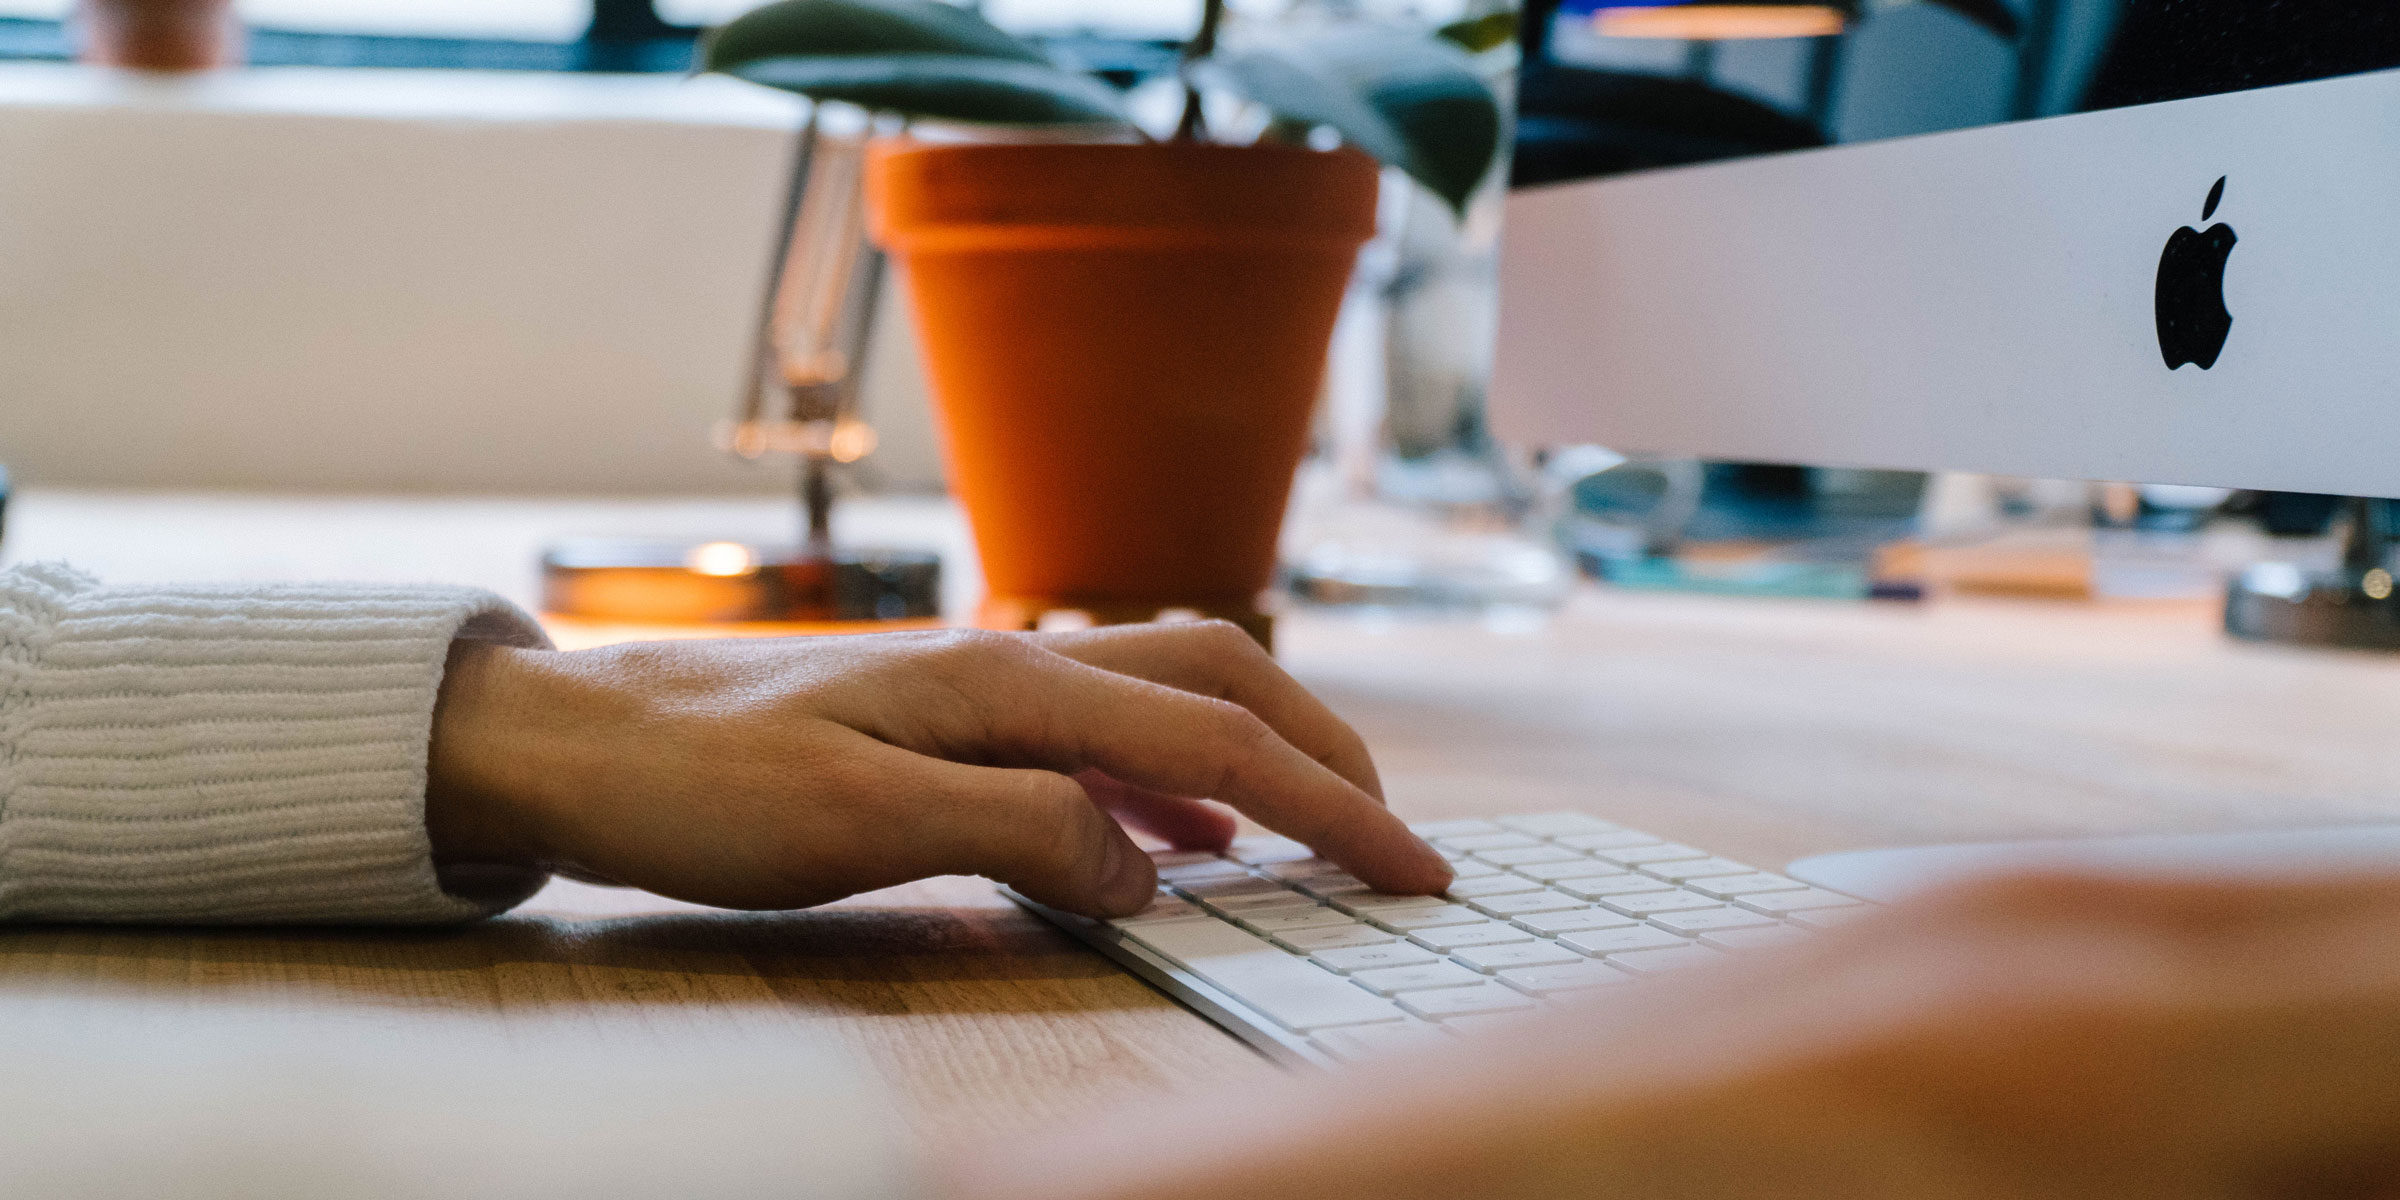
x: 2199, y: 291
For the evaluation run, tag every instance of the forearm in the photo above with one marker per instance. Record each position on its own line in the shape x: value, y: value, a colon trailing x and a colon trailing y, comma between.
x: 216, y: 753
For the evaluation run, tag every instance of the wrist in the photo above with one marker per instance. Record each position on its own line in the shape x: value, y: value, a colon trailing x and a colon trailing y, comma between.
x: 478, y: 805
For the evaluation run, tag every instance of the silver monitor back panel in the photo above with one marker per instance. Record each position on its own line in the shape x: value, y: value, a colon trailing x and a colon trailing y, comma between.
x: 1988, y: 300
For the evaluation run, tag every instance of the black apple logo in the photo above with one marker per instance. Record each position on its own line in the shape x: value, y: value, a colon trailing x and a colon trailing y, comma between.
x: 2192, y: 320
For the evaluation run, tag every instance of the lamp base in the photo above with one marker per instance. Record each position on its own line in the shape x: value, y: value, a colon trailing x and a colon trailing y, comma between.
x: 2277, y: 602
x: 731, y: 581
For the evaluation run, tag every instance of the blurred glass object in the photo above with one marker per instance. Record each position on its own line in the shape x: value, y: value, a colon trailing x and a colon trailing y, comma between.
x: 2352, y: 604
x: 1733, y: 528
x: 801, y: 397
x: 1412, y: 504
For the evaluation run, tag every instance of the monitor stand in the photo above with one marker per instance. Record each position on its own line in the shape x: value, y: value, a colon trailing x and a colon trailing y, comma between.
x: 2352, y: 606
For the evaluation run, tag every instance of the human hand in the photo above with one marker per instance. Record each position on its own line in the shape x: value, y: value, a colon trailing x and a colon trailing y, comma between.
x: 2041, y: 1037
x: 785, y: 773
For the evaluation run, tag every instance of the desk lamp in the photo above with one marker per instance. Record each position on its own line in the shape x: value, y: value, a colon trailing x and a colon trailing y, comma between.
x: 1713, y: 21
x: 799, y: 398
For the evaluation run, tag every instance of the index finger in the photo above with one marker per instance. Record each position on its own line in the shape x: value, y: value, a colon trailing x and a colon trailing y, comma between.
x: 1215, y: 658
x: 1068, y: 716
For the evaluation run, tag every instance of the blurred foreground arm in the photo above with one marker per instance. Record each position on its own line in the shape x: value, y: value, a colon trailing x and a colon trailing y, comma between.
x: 2039, y: 1038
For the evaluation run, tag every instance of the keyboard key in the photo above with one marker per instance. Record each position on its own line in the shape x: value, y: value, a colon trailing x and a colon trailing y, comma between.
x: 1757, y: 937
x: 1469, y: 868
x: 1165, y: 908
x: 1650, y: 904
x: 1363, y: 903
x: 1599, y: 942
x: 1557, y: 824
x: 1391, y: 981
x: 1406, y: 920
x: 1780, y: 903
x: 1613, y: 885
x: 1496, y: 885
x: 1729, y: 886
x: 1516, y: 954
x: 1367, y: 958
x: 1697, y: 868
x: 1306, y: 868
x: 1292, y: 992
x: 1634, y: 856
x: 1574, y: 921
x: 1575, y: 868
x: 1469, y: 1024
x: 1330, y: 885
x: 1443, y: 1003
x: 1203, y: 872
x: 1521, y: 856
x: 1232, y: 885
x: 1655, y: 962
x: 1588, y: 842
x: 1281, y: 921
x: 1442, y: 829
x: 1162, y: 859
x: 1358, y: 1042
x: 1451, y: 938
x: 1245, y: 885
x: 1260, y: 851
x: 1241, y: 906
x: 1524, y: 904
x: 1549, y: 981
x: 1333, y: 937
x: 1474, y: 842
x: 1827, y: 918
x: 1709, y: 919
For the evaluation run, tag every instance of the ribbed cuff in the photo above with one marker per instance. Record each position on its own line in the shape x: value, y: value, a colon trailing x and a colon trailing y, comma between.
x: 224, y: 754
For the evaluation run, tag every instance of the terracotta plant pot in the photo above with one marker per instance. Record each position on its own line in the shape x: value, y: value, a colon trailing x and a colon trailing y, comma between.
x: 1124, y: 342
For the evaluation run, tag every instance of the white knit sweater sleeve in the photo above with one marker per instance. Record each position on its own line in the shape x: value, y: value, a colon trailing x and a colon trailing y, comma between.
x: 230, y: 754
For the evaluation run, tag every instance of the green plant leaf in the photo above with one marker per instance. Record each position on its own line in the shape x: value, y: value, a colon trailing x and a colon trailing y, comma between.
x: 845, y: 28
x: 1412, y: 101
x: 1476, y: 35
x: 944, y: 87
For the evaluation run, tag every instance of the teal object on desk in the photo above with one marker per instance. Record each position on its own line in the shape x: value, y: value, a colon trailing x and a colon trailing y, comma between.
x: 1802, y: 580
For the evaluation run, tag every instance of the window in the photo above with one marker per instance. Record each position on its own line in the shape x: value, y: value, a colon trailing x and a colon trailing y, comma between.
x: 1124, y: 38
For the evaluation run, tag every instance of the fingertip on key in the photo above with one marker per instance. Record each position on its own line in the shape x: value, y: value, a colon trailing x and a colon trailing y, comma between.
x: 1420, y: 870
x: 1131, y: 880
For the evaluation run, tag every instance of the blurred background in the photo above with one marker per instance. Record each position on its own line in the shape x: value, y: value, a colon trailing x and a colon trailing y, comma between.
x: 511, y: 247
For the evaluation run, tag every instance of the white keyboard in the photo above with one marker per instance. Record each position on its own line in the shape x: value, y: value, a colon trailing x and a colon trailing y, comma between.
x: 1296, y: 957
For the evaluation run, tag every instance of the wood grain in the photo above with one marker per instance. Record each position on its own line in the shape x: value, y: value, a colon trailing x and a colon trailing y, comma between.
x: 1761, y: 729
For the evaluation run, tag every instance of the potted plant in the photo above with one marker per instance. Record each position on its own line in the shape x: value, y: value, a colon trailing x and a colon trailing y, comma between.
x: 1124, y: 329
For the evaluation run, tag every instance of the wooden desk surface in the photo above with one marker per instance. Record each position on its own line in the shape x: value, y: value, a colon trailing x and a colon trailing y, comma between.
x: 1765, y: 730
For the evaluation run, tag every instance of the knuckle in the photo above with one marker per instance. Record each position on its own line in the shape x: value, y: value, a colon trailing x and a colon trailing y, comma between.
x: 1068, y: 842
x: 1230, y: 641
x: 963, y: 655
x: 1240, y: 728
x: 1222, y: 631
